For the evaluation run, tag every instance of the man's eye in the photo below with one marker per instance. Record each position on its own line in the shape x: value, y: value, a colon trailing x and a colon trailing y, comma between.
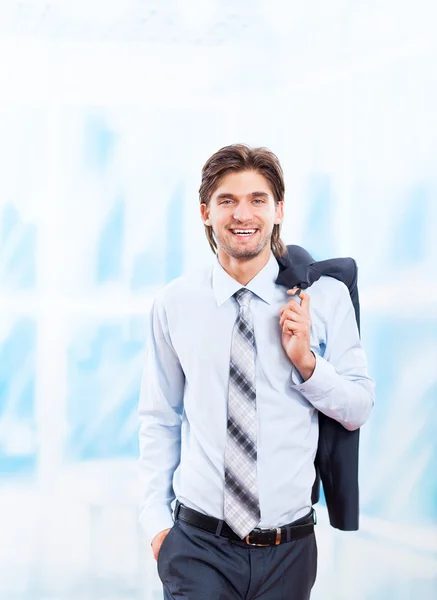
x: 259, y: 200
x: 225, y: 201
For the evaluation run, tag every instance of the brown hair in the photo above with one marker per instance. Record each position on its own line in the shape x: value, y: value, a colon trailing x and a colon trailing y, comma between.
x: 241, y: 157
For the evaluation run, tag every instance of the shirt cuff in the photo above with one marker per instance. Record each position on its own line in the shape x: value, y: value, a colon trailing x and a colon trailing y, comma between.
x: 155, y: 519
x: 319, y: 384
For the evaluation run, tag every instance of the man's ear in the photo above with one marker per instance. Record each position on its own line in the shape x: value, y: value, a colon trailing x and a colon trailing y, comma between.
x: 204, y: 212
x: 279, y: 210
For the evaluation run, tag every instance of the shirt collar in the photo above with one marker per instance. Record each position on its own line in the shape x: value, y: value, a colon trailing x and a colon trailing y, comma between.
x: 263, y: 284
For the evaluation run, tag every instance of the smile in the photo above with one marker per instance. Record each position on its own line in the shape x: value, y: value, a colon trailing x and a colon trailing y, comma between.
x: 244, y: 232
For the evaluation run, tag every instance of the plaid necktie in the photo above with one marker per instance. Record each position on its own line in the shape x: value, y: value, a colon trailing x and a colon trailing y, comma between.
x: 241, y: 505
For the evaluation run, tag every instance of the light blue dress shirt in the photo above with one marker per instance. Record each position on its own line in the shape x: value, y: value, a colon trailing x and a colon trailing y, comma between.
x: 183, y: 402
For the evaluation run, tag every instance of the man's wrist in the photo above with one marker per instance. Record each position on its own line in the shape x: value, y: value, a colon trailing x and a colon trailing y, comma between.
x: 154, y: 519
x: 307, y: 366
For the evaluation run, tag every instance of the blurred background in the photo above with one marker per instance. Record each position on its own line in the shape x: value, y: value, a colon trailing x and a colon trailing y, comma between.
x: 108, y: 110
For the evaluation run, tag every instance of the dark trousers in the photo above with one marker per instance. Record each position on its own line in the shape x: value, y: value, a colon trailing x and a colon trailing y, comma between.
x: 197, y: 565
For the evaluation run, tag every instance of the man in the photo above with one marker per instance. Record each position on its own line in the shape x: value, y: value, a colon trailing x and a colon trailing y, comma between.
x: 237, y: 370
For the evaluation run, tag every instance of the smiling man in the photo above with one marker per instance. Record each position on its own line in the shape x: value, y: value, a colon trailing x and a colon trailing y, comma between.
x: 237, y: 371
x: 242, y: 222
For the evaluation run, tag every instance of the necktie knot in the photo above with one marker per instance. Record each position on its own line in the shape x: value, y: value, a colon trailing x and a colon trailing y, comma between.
x: 243, y: 297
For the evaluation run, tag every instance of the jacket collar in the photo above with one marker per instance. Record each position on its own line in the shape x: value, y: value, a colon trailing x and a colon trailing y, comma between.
x: 302, y: 271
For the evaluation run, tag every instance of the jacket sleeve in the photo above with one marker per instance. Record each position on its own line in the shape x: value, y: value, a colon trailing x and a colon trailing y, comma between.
x: 340, y: 386
x: 160, y: 409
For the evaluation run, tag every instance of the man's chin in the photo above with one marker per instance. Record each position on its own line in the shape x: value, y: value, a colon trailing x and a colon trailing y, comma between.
x: 243, y: 253
x: 246, y: 254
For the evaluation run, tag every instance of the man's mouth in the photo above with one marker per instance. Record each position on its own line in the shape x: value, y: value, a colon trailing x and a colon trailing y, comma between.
x: 244, y: 233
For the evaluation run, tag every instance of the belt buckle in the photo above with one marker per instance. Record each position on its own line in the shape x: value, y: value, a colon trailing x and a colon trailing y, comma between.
x: 278, y: 538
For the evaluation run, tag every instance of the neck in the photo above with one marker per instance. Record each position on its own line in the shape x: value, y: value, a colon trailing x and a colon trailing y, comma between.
x: 241, y: 270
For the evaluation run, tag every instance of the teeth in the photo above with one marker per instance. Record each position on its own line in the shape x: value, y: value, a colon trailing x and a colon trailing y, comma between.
x: 244, y: 231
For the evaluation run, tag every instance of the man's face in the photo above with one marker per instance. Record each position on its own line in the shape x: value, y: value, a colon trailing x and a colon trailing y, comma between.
x: 242, y: 213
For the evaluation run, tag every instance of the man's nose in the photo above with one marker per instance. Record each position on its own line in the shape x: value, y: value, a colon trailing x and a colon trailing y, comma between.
x: 243, y: 212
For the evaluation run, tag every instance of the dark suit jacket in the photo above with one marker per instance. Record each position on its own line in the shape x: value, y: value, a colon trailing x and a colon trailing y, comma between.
x: 337, y: 454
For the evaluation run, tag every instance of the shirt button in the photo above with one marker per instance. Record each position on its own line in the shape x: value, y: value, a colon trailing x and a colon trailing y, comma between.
x: 302, y: 390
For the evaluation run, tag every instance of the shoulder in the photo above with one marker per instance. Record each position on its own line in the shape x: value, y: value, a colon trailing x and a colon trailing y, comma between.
x: 328, y: 296
x: 192, y: 284
x: 330, y: 285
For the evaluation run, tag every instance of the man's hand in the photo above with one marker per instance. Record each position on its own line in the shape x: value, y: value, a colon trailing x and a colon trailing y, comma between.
x: 157, y: 542
x: 295, y: 321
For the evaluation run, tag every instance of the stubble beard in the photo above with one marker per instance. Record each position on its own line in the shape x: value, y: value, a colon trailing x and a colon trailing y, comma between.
x: 243, y: 253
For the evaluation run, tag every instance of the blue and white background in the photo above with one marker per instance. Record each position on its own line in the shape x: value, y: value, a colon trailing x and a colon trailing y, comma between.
x: 107, y: 113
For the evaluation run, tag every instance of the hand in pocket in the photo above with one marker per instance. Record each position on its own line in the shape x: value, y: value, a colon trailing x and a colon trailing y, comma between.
x: 157, y: 542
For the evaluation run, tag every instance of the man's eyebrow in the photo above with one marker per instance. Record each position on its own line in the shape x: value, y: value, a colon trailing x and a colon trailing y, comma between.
x: 233, y: 197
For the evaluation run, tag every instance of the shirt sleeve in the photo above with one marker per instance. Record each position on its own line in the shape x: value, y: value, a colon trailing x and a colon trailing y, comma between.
x: 340, y: 386
x: 160, y: 409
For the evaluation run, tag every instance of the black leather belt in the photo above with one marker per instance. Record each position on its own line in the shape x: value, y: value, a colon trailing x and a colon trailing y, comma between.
x: 257, y: 537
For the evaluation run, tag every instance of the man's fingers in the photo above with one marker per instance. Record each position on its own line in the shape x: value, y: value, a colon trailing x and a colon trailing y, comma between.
x: 291, y: 326
x: 295, y: 307
x: 304, y: 299
x: 158, y: 541
x: 305, y: 302
x: 292, y: 316
x: 296, y: 291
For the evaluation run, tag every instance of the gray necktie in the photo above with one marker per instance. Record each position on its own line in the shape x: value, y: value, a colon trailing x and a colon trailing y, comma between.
x: 241, y: 504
